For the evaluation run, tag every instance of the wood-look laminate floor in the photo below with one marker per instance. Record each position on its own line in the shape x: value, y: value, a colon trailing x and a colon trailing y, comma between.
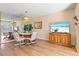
x: 41, y: 48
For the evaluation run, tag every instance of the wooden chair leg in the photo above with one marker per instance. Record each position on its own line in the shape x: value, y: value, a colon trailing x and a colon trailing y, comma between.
x: 19, y: 44
x: 28, y: 43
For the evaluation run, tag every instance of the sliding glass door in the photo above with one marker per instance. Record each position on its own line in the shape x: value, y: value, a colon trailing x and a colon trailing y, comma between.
x: 6, y: 27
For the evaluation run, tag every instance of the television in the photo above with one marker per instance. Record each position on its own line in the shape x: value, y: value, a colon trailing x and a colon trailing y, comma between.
x: 59, y: 27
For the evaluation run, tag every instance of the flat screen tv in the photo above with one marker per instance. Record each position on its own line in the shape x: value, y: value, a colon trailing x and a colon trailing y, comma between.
x: 59, y: 27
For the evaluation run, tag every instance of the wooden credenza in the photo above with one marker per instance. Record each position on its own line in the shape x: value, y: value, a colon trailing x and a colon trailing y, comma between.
x: 60, y: 38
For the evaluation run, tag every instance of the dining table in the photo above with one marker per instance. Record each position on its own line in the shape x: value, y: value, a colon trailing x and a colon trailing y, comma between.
x: 25, y: 34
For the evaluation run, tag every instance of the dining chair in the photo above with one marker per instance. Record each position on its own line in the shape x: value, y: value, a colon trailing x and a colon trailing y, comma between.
x: 19, y: 40
x: 33, y: 38
x: 6, y: 35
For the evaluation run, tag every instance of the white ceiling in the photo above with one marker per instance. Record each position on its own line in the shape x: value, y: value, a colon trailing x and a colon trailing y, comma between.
x: 34, y: 9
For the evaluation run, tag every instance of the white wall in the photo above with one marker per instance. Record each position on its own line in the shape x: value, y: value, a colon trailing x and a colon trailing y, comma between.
x: 55, y: 17
x: 46, y: 20
x: 77, y: 27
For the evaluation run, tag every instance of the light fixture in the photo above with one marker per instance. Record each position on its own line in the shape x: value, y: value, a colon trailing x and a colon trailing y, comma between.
x: 26, y: 18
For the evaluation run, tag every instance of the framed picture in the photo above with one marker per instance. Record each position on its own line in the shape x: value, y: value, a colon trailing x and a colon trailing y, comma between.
x: 38, y: 25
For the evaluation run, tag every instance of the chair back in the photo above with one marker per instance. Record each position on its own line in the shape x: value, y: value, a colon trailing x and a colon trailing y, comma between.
x: 16, y: 36
x: 34, y: 35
